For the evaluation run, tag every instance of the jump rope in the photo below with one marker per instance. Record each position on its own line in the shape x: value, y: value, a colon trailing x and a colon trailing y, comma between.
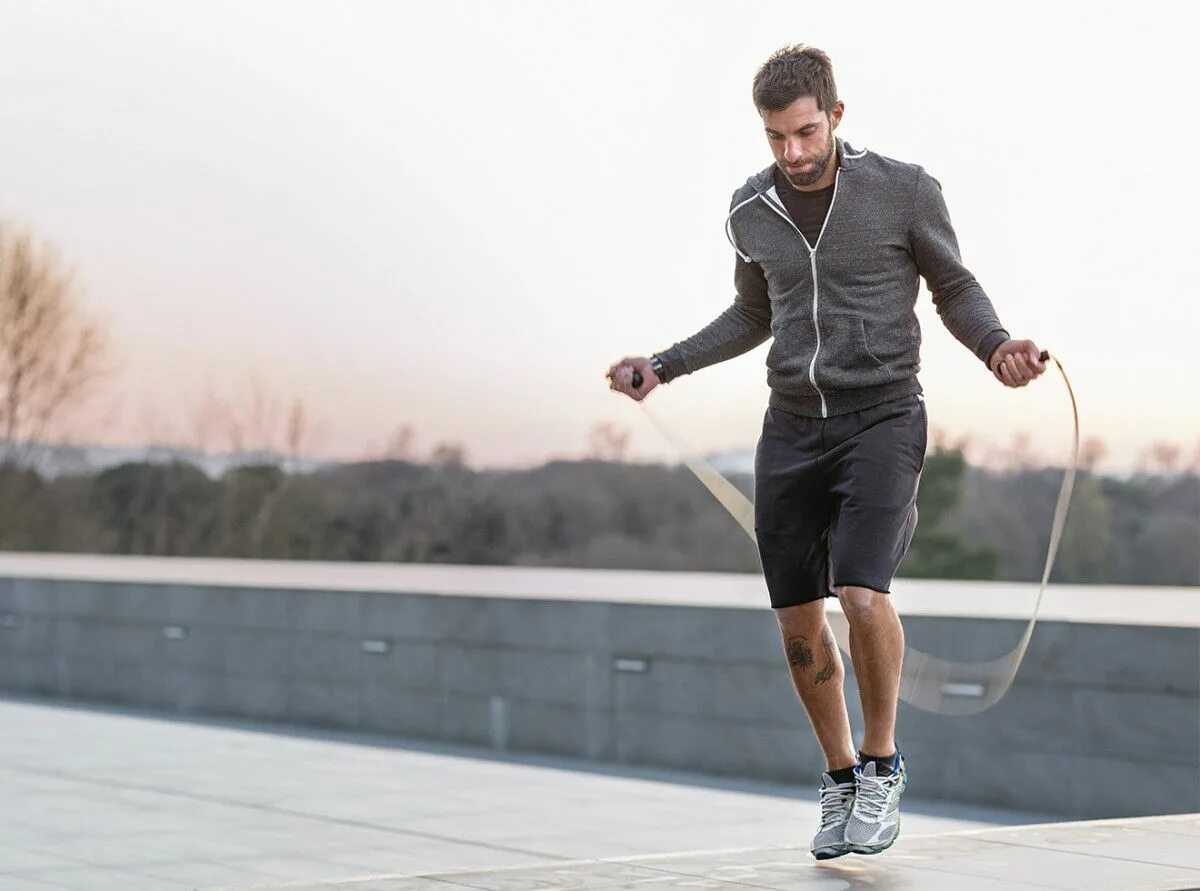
x: 927, y: 682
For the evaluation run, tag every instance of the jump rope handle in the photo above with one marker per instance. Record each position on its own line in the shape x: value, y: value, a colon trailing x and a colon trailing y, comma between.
x: 637, y: 375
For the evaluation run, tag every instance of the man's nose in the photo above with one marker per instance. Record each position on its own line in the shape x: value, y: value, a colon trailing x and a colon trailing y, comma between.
x: 791, y: 152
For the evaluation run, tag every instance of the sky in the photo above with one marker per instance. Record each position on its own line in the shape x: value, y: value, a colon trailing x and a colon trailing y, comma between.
x: 456, y: 215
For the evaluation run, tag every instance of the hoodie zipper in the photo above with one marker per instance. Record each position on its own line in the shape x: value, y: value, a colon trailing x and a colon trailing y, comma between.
x: 812, y: 262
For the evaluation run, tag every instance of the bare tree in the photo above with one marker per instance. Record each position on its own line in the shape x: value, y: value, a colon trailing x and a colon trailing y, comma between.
x: 204, y: 421
x: 399, y: 445
x: 295, y: 439
x: 1091, y: 452
x: 1163, y: 457
x: 253, y: 424
x: 939, y: 438
x: 941, y: 441
x: 256, y: 425
x: 51, y: 352
x: 608, y: 442
x: 1021, y: 454
x: 448, y: 455
x: 259, y: 428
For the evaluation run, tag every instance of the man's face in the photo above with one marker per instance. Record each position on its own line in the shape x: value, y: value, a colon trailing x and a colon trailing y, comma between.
x: 801, y: 138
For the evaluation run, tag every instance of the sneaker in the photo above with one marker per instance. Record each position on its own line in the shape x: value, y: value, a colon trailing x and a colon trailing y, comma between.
x: 836, y: 801
x: 875, y: 818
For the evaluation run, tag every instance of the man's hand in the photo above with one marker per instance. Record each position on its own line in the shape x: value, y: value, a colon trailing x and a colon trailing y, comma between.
x: 620, y: 377
x: 1016, y: 362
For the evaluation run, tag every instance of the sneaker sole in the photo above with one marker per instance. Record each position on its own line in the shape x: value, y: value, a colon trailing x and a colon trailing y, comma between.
x: 829, y: 853
x: 875, y: 849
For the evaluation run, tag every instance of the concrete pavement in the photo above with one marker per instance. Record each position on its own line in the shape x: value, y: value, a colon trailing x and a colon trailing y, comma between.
x: 97, y: 798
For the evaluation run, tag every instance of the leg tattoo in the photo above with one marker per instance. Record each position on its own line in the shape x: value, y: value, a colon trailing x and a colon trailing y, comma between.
x: 799, y: 653
x: 830, y: 647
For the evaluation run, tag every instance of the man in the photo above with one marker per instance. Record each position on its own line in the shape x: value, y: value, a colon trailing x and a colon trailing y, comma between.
x: 830, y: 242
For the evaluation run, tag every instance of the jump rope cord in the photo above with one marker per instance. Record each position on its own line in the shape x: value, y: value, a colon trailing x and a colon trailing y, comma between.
x: 927, y: 682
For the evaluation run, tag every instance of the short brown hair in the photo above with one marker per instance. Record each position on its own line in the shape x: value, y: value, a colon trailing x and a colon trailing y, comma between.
x: 792, y: 72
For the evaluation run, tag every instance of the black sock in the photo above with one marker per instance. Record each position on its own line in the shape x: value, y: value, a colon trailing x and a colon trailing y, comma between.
x: 884, y: 764
x: 843, y: 775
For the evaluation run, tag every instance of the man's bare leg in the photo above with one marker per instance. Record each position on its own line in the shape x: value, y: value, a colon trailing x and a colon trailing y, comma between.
x: 818, y: 674
x: 877, y: 651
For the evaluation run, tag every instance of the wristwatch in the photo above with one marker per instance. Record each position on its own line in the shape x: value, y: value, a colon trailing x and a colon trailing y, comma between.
x: 657, y: 366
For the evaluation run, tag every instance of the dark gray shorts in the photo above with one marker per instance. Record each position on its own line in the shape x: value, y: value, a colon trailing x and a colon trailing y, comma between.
x: 835, y: 499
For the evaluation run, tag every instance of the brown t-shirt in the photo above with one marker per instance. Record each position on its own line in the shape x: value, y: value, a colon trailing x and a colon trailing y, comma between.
x: 807, y: 209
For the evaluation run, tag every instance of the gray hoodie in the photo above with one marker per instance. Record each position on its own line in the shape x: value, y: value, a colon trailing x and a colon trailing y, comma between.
x: 842, y: 310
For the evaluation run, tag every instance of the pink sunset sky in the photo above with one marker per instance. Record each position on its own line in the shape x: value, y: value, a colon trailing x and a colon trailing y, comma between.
x: 455, y: 216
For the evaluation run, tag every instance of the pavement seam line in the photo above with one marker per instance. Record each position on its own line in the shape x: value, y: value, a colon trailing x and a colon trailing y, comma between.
x: 213, y: 799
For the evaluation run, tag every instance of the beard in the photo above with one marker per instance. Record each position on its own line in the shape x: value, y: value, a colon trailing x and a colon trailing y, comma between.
x: 817, y: 170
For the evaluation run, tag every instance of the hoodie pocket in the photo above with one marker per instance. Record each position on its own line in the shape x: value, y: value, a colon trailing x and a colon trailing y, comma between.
x: 787, y: 359
x: 846, y: 361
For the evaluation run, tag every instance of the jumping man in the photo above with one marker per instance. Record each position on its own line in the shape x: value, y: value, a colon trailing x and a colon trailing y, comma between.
x: 830, y: 243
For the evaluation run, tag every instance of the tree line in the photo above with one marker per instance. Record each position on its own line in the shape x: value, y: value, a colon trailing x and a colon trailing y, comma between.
x: 601, y: 512
x: 974, y: 522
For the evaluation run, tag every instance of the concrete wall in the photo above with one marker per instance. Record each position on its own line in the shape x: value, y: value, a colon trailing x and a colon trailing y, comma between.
x: 1104, y: 720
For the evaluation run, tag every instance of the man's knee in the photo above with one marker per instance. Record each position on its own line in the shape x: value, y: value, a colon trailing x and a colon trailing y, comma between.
x: 862, y: 604
x: 801, y: 619
x: 807, y: 641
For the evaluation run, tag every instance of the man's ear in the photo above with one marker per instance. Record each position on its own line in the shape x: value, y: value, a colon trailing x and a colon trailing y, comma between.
x: 835, y: 114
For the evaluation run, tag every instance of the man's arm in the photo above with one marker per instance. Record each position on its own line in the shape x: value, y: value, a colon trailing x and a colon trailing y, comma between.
x: 740, y: 328
x: 961, y: 302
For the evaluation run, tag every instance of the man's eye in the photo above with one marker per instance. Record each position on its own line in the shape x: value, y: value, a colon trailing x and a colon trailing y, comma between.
x: 774, y: 137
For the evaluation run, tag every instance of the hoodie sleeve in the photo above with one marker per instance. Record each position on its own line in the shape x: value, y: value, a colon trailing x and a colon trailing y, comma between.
x: 740, y: 328
x: 961, y: 302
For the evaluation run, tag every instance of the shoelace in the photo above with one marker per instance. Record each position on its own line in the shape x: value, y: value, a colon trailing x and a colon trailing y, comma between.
x: 873, y: 793
x: 834, y: 800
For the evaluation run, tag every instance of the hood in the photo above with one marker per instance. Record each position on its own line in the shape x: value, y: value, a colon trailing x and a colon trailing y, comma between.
x: 763, y: 181
x: 848, y: 158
